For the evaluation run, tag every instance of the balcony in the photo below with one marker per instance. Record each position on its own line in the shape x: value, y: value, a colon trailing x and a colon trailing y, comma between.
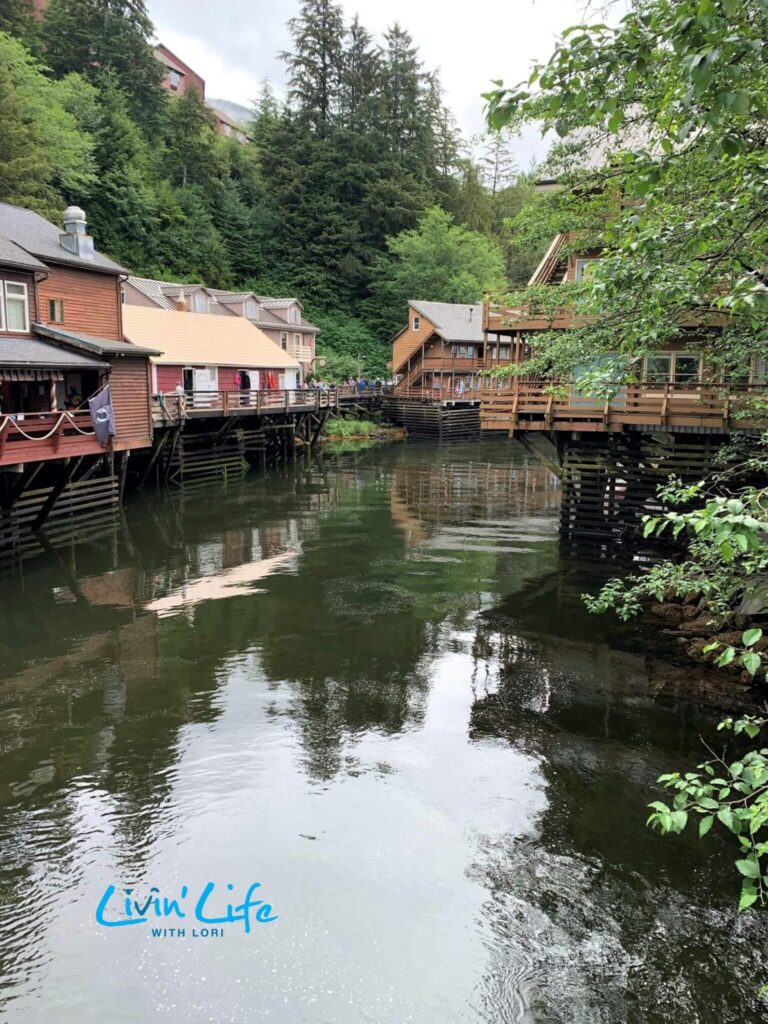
x: 301, y: 352
x: 542, y: 405
x: 39, y: 436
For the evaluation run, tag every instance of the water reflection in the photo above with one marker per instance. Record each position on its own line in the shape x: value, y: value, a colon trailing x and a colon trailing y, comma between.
x: 369, y: 682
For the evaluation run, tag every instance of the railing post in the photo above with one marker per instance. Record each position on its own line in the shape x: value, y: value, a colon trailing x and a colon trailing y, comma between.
x: 225, y: 402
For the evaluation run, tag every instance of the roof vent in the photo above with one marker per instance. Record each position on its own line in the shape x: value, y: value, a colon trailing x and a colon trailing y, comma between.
x: 76, y: 238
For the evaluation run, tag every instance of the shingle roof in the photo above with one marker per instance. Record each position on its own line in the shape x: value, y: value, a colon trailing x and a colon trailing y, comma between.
x: 91, y: 343
x: 36, y: 353
x: 453, y: 321
x: 162, y: 293
x: 41, y: 238
x: 12, y: 255
x: 203, y: 339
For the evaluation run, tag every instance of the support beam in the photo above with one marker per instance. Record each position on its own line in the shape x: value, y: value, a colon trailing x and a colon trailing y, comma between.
x: 68, y: 471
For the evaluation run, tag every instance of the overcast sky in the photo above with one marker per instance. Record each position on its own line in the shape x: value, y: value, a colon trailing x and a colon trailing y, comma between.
x: 233, y: 44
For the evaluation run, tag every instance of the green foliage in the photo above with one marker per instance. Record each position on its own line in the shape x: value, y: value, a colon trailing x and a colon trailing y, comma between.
x: 674, y: 100
x: 349, y: 347
x: 439, y: 259
x: 350, y: 428
x: 732, y: 795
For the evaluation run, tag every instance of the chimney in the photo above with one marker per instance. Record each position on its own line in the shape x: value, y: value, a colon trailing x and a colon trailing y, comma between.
x: 471, y: 311
x: 181, y: 302
x: 76, y: 238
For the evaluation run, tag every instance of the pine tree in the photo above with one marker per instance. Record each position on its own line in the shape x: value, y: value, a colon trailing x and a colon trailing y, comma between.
x: 360, y: 82
x: 17, y: 19
x: 315, y: 65
x: 98, y: 37
x: 191, y: 140
x: 498, y: 161
x: 25, y: 172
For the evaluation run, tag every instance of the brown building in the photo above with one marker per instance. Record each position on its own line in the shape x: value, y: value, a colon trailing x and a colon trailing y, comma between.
x: 281, y: 320
x: 443, y: 349
x: 178, y: 76
x: 61, y: 341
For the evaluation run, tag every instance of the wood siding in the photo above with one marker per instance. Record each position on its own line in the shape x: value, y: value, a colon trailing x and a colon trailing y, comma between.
x: 29, y: 281
x: 91, y: 301
x: 129, y: 381
x: 409, y: 341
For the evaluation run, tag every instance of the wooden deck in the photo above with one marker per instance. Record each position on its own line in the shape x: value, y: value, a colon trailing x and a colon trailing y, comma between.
x: 38, y: 437
x: 536, y: 405
x: 207, y: 404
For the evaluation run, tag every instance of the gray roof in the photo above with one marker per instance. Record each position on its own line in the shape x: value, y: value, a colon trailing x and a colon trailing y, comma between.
x: 454, y: 321
x: 41, y: 238
x: 90, y: 343
x: 162, y: 293
x: 34, y: 353
x: 12, y: 255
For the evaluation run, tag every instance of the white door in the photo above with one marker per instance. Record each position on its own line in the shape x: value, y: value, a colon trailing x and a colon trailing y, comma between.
x: 290, y: 380
x: 205, y: 379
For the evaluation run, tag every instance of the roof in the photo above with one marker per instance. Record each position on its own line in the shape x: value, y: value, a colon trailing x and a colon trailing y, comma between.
x: 12, y: 255
x: 226, y: 118
x: 188, y: 339
x: 38, y: 236
x: 36, y: 353
x: 453, y: 321
x: 169, y: 63
x: 163, y: 292
x: 93, y: 344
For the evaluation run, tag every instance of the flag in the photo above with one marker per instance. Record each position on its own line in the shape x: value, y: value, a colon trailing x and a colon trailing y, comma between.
x: 102, y: 415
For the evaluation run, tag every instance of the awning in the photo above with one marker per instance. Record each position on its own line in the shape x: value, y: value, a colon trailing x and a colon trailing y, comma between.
x: 31, y: 355
x: 44, y: 376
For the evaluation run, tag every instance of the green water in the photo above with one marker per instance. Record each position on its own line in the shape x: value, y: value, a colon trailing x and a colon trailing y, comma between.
x: 369, y: 685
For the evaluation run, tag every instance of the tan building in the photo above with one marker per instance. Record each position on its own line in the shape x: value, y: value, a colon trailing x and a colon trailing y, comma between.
x: 281, y: 320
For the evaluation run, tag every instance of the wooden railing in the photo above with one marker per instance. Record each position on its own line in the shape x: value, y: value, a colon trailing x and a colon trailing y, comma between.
x: 171, y: 407
x: 539, y: 405
x: 440, y: 394
x: 38, y: 436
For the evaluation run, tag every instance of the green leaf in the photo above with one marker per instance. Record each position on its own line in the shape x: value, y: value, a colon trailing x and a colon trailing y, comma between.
x: 750, y: 636
x: 749, y: 868
x: 725, y: 816
x: 705, y: 825
x: 751, y: 662
x: 726, y: 657
x: 748, y: 896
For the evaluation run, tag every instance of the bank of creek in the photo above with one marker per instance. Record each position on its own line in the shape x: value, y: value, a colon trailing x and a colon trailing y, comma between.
x: 369, y: 684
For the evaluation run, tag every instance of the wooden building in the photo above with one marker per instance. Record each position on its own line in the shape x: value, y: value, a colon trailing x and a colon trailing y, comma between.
x: 214, y: 358
x: 442, y: 350
x: 280, y: 319
x: 672, y: 388
x: 61, y: 340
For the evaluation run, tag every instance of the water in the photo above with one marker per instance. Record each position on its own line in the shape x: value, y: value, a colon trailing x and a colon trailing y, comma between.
x: 371, y: 686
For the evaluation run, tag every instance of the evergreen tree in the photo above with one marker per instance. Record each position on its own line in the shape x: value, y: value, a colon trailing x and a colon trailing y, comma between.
x: 315, y: 65
x: 497, y: 161
x: 17, y: 19
x: 97, y: 37
x: 191, y: 140
x: 360, y: 81
x: 25, y: 172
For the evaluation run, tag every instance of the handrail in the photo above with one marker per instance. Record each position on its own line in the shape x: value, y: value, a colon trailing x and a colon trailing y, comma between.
x: 9, y: 424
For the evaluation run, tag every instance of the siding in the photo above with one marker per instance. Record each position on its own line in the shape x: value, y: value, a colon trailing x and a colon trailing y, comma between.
x: 29, y: 281
x: 129, y: 381
x: 91, y: 301
x: 409, y: 341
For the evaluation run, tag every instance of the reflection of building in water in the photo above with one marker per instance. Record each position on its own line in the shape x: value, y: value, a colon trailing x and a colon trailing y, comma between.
x: 444, y: 489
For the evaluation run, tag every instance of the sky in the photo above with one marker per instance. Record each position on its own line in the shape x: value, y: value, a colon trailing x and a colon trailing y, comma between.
x: 233, y: 44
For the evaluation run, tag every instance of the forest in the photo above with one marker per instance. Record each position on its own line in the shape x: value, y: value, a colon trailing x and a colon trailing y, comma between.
x: 356, y: 193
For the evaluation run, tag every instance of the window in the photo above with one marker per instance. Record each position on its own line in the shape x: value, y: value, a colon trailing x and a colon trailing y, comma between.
x: 463, y: 351
x: 673, y: 367
x: 294, y: 315
x: 200, y: 303
x: 686, y: 369
x: 503, y: 351
x: 585, y: 269
x: 297, y: 339
x: 15, y: 315
x: 284, y: 339
x: 174, y: 79
x: 56, y: 311
x: 416, y: 323
x: 658, y: 369
x: 250, y: 309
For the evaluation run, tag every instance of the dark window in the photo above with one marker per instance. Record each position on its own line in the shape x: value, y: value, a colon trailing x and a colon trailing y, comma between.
x: 56, y: 311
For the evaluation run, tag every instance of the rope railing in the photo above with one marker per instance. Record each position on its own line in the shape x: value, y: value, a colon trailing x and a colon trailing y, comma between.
x: 11, y: 419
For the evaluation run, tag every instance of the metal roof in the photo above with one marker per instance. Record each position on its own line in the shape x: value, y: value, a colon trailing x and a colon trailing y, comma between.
x: 453, y: 321
x: 99, y: 346
x: 13, y: 255
x: 38, y: 236
x: 36, y: 353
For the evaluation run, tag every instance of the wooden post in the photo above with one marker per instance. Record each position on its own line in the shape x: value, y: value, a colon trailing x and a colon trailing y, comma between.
x: 68, y: 471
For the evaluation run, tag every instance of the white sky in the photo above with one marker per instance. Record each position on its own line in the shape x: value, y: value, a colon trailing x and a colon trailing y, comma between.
x: 233, y: 44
